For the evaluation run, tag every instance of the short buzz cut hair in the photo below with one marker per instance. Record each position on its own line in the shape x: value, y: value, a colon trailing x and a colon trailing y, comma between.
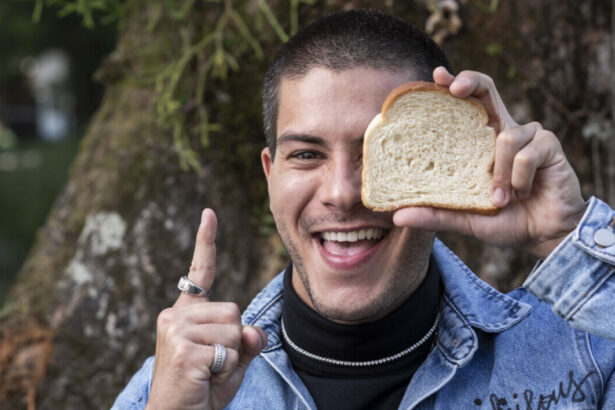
x: 345, y: 40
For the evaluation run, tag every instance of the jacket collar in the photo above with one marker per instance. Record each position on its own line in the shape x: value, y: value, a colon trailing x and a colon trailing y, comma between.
x: 481, y: 306
x: 265, y: 311
x: 472, y: 302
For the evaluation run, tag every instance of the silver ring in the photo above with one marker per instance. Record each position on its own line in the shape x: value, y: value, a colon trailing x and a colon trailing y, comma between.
x: 190, y: 288
x: 219, y: 358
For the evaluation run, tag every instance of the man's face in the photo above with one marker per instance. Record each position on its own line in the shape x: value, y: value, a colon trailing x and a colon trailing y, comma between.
x: 350, y: 264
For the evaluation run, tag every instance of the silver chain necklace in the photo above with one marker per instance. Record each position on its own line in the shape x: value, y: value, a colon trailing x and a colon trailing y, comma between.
x: 346, y: 363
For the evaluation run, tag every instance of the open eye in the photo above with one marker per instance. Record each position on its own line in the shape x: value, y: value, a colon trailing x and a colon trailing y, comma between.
x: 305, y: 155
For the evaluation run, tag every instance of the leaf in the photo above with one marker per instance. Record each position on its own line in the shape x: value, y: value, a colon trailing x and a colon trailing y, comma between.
x: 273, y: 21
x: 38, y: 11
x: 247, y: 35
x: 493, y: 49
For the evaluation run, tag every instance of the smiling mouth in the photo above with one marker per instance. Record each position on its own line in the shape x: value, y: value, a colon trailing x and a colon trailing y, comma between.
x: 350, y: 243
x: 375, y: 234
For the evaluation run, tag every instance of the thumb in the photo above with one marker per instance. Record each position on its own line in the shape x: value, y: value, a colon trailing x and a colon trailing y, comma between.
x: 253, y: 341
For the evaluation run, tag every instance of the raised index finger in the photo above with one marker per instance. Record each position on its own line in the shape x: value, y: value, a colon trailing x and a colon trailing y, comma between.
x: 203, y: 267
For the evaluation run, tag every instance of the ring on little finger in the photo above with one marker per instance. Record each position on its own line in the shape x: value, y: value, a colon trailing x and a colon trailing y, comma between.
x: 219, y: 358
x: 190, y: 288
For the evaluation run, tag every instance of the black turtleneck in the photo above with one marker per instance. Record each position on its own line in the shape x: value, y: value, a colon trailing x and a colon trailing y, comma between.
x: 375, y: 387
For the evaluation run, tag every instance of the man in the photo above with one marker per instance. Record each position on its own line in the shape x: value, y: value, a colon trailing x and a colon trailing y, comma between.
x: 372, y: 313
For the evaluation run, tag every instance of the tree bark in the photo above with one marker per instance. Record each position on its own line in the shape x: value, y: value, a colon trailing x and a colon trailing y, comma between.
x: 122, y: 233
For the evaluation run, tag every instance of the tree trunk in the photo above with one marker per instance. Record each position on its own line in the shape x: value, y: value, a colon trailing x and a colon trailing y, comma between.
x: 81, y: 318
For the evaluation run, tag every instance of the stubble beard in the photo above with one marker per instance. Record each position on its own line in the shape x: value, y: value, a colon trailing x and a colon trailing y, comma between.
x: 405, y: 276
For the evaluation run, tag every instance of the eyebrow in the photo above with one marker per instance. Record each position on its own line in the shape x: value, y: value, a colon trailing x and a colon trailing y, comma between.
x: 310, y: 139
x: 305, y: 138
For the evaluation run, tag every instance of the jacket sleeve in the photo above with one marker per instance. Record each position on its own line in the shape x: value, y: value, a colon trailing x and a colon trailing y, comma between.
x: 578, y: 278
x: 136, y: 393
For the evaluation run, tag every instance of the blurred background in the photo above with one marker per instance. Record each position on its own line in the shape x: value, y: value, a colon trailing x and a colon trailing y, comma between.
x: 121, y: 120
x: 47, y: 96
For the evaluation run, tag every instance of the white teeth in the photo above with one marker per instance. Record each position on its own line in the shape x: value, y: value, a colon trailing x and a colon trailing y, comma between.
x: 353, y: 236
x: 378, y: 233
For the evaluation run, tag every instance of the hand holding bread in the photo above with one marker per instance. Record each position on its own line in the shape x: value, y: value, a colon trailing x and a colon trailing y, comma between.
x: 533, y: 183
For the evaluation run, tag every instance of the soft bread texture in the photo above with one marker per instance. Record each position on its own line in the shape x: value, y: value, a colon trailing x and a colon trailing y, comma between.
x: 428, y: 148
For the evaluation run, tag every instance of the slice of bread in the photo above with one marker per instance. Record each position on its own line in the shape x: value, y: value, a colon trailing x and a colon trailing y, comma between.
x: 428, y: 148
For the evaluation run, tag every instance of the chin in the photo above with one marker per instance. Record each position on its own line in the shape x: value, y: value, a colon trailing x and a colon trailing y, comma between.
x: 354, y: 309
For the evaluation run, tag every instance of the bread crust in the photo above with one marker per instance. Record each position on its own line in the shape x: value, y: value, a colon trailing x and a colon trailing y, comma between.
x: 476, y: 210
x: 423, y: 86
x: 394, y: 95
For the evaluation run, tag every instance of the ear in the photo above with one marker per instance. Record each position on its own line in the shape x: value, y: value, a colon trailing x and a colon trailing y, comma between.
x: 266, y: 161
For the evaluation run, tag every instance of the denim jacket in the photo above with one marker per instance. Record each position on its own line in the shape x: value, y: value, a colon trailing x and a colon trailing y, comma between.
x: 547, y: 345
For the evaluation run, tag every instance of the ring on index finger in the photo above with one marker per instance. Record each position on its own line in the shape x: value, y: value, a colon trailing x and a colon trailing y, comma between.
x: 190, y: 288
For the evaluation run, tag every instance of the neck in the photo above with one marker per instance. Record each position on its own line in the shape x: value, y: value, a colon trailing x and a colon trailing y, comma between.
x: 387, y: 335
x: 379, y: 311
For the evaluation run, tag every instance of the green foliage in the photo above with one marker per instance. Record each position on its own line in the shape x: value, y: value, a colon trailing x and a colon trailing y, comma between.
x: 31, y: 175
x: 39, y: 172
x: 199, y: 44
x: 225, y: 36
x: 211, y: 47
x: 110, y: 11
x: 490, y: 7
x: 21, y: 39
x: 7, y: 138
x: 493, y: 49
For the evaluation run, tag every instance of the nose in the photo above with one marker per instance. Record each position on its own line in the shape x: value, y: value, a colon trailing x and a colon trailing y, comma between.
x: 341, y: 184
